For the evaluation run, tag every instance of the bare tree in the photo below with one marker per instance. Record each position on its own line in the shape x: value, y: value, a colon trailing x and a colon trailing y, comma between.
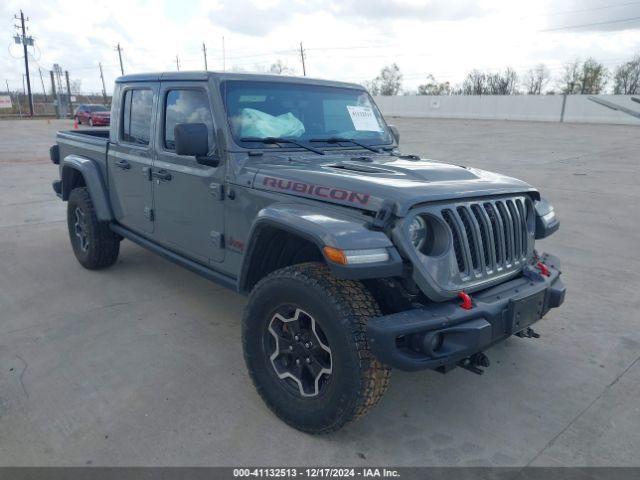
x: 280, y: 68
x: 389, y: 82
x: 372, y: 87
x: 433, y: 87
x: 627, y: 78
x: 536, y: 79
x: 589, y: 77
x: 499, y: 83
x: 475, y: 83
x: 503, y: 83
x: 570, y: 80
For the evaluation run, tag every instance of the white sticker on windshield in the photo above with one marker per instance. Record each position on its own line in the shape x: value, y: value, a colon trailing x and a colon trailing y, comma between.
x: 364, y: 119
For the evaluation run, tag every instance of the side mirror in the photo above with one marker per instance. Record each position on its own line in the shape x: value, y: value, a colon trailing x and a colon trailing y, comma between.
x: 191, y: 139
x: 395, y: 132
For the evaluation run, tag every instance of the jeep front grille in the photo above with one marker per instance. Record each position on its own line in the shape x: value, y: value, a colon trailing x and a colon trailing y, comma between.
x: 490, y: 236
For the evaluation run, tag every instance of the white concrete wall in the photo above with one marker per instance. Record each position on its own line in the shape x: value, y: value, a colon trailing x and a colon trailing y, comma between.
x: 545, y: 108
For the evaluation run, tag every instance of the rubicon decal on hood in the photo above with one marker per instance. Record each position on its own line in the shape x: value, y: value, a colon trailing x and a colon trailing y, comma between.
x: 319, y: 191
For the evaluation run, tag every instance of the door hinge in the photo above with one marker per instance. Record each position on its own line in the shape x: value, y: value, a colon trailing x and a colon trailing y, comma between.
x: 217, y: 238
x: 217, y: 190
x: 148, y: 214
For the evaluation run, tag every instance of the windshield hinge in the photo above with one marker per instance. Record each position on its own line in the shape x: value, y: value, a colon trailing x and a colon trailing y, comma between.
x: 383, y: 216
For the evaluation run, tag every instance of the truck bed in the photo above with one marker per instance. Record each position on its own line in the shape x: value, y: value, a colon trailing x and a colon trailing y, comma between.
x: 92, y: 144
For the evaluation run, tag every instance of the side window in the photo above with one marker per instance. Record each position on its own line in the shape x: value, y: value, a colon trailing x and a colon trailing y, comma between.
x: 136, y: 116
x: 186, y: 106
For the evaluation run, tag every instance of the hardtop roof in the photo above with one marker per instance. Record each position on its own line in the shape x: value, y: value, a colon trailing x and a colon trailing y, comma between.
x: 205, y: 75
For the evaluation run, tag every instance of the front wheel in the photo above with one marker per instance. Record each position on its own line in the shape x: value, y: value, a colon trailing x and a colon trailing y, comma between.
x: 304, y: 339
x: 90, y: 122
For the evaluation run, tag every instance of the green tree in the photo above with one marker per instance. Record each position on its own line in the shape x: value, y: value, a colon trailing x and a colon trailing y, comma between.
x: 587, y: 78
x: 433, y: 87
x: 389, y: 82
x: 627, y: 78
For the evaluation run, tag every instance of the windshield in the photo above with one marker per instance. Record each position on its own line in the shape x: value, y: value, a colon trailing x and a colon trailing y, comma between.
x: 258, y: 110
x: 97, y: 108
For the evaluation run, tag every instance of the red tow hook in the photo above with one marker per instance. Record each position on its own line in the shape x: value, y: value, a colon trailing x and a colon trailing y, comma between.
x: 543, y: 269
x: 466, y: 301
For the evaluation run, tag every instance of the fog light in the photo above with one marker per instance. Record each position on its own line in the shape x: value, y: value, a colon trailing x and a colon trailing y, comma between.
x: 436, y: 342
x: 432, y: 342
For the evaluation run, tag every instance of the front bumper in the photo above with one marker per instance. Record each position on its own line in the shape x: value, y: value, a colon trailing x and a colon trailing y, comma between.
x: 441, y: 335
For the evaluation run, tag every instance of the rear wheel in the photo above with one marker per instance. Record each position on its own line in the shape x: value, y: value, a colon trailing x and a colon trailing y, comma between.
x: 94, y: 244
x: 304, y: 339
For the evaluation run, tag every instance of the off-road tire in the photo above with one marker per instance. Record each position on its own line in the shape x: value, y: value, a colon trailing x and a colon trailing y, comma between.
x: 103, y: 245
x: 342, y: 309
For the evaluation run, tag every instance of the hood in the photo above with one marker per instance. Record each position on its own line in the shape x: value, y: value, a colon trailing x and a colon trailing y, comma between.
x: 101, y: 114
x: 365, y: 182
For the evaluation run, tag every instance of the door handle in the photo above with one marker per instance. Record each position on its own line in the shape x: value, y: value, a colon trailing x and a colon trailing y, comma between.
x: 162, y: 175
x: 123, y: 164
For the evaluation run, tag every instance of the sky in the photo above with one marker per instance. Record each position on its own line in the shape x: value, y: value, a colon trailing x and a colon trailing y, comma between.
x: 348, y: 40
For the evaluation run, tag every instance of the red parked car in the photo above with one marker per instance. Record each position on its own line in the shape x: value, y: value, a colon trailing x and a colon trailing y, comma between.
x: 94, y: 115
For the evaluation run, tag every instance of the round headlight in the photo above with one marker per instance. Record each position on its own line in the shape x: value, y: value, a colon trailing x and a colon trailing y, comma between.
x: 418, y: 231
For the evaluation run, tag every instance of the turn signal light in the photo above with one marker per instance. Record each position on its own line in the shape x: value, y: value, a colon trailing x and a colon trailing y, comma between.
x: 335, y: 255
x: 356, y: 257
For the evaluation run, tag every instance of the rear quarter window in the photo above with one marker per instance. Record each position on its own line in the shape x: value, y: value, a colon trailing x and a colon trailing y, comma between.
x: 137, y: 105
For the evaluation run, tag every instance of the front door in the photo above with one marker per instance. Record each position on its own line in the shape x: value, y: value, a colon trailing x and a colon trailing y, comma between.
x: 130, y: 158
x: 188, y: 198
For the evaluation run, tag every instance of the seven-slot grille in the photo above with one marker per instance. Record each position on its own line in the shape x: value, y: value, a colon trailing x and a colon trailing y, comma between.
x: 490, y: 236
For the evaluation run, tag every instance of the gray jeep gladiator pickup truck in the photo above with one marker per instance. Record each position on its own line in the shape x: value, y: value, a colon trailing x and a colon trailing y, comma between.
x: 356, y: 258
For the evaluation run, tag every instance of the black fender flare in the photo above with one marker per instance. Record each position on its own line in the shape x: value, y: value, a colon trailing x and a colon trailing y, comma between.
x: 72, y: 165
x: 323, y: 227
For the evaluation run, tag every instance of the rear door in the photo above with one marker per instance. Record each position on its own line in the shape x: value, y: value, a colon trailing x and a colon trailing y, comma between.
x: 188, y: 196
x: 130, y: 157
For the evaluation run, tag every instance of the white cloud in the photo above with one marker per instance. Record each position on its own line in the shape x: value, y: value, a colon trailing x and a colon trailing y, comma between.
x: 345, y: 40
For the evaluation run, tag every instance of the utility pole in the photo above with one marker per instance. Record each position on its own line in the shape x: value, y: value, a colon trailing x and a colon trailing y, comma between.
x: 304, y: 68
x: 204, y: 52
x: 66, y: 74
x: 56, y: 97
x: 177, y: 63
x: 44, y: 90
x: 104, y: 90
x: 26, y: 41
x: 120, y: 57
x: 224, y: 60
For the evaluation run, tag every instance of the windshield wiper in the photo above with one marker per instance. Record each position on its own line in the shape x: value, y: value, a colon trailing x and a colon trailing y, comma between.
x: 276, y: 141
x: 349, y: 140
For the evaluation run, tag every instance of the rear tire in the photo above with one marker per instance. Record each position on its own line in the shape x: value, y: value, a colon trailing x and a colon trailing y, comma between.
x: 94, y: 244
x: 339, y: 379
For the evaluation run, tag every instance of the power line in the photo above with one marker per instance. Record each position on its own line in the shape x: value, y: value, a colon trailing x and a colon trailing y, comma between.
x: 604, y: 7
x: 595, y: 24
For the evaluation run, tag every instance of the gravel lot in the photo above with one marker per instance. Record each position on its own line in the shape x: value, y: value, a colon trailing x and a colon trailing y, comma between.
x: 141, y: 364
